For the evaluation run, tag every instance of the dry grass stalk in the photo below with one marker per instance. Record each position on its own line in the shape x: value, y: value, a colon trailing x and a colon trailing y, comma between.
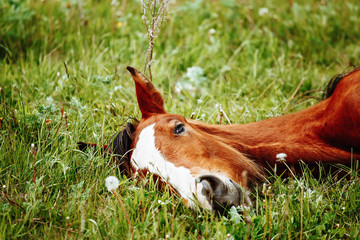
x: 294, y: 94
x: 153, y: 14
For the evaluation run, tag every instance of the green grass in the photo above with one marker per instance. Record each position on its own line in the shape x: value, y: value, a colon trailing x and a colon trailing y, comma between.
x: 252, y: 66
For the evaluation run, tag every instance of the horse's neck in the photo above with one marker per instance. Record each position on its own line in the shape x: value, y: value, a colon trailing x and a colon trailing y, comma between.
x: 299, y: 135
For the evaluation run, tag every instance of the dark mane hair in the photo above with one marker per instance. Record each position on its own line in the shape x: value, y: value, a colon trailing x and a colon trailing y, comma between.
x: 334, y: 81
x: 120, y: 147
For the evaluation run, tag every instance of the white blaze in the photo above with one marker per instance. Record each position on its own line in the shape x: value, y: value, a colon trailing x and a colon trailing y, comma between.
x: 147, y: 156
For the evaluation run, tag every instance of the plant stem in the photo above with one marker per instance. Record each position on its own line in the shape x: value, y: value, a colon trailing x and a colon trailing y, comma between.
x: 152, y: 40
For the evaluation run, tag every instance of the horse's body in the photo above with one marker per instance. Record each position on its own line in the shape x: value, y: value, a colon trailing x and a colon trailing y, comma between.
x: 208, y: 162
x: 326, y: 132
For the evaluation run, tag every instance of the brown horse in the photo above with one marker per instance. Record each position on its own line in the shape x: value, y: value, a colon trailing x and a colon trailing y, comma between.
x: 211, y: 164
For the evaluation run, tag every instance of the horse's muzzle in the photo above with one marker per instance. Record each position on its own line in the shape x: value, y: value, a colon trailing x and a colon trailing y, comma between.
x: 222, y: 195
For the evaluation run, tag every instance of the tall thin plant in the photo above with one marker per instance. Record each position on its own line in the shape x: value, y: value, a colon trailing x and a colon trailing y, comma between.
x: 153, y: 14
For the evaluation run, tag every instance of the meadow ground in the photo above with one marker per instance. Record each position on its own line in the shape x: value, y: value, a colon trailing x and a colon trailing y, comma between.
x: 250, y: 56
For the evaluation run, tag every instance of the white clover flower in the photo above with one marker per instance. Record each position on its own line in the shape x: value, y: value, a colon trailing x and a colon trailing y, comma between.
x: 111, y: 183
x: 114, y: 3
x: 309, y: 193
x: 191, y: 81
x: 212, y: 31
x: 195, y: 74
x: 263, y: 11
x: 181, y: 86
x: 281, y: 157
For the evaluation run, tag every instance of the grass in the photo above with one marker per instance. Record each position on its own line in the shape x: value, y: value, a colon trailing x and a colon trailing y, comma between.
x: 252, y: 65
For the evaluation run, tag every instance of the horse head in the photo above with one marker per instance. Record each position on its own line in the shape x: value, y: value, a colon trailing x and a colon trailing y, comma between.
x: 200, y: 166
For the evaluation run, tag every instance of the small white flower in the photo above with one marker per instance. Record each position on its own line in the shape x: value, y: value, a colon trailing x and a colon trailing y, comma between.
x: 58, y: 74
x: 281, y: 157
x: 212, y: 31
x: 67, y: 218
x: 263, y: 11
x: 195, y: 74
x: 167, y: 236
x: 4, y: 186
x: 159, y: 201
x: 114, y: 3
x: 111, y: 183
x: 32, y: 145
x: 228, y: 235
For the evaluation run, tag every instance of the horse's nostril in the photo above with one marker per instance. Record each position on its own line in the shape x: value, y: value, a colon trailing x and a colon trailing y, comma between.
x: 220, y: 195
x: 215, y: 184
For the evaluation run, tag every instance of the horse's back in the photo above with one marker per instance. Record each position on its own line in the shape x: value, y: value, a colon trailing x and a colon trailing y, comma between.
x: 341, y: 123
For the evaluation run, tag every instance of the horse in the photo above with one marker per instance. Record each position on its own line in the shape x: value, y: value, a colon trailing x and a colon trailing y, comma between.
x: 211, y: 165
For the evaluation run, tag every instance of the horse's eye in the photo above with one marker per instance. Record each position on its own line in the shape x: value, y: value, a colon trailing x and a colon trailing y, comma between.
x: 180, y: 128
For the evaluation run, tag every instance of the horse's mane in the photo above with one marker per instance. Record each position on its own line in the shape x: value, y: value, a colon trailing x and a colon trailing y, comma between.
x: 334, y: 81
x: 120, y: 146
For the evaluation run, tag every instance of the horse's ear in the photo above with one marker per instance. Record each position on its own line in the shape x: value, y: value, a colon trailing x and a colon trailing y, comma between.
x: 149, y: 98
